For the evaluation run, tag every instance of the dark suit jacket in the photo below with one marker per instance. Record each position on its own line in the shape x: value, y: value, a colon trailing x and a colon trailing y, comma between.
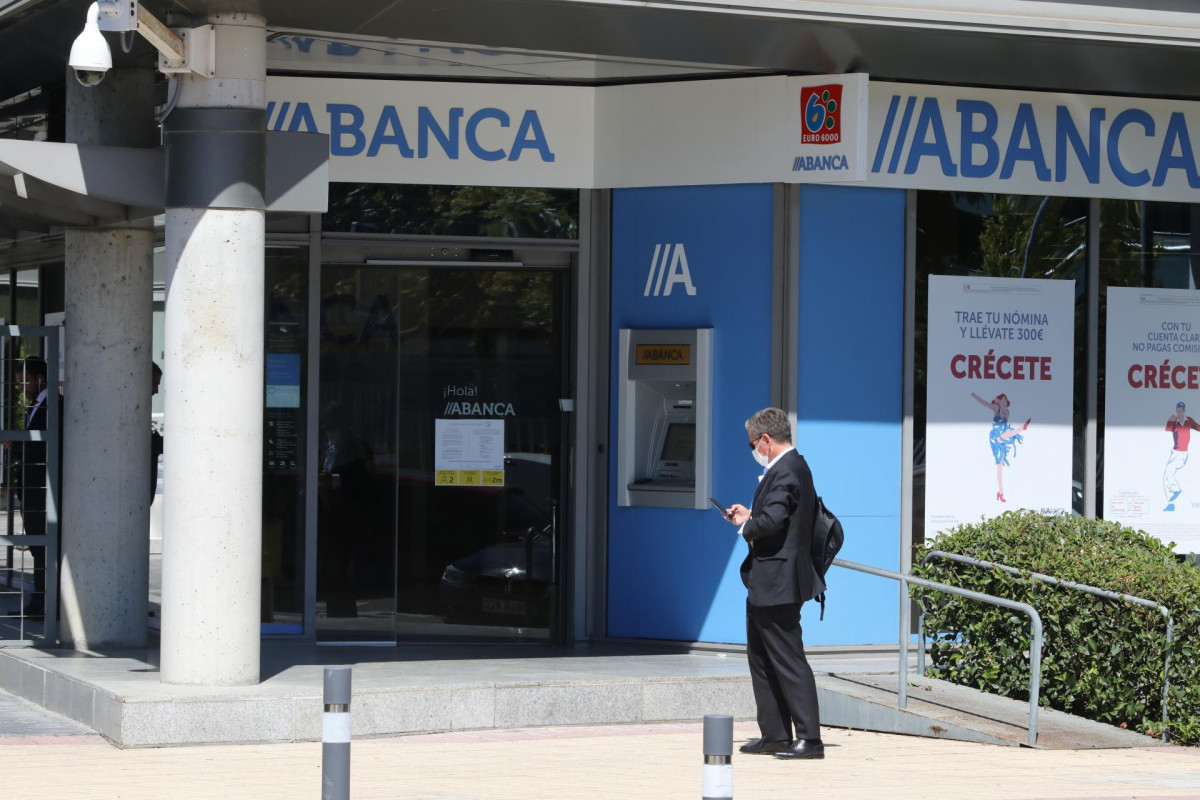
x: 29, y: 469
x: 778, y: 569
x: 156, y: 450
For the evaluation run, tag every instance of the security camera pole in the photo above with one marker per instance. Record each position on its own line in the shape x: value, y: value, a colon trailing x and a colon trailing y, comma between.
x: 215, y: 141
x: 210, y: 179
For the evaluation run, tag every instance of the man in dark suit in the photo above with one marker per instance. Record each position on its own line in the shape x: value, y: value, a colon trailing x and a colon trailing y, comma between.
x: 780, y: 577
x: 29, y: 475
x: 156, y: 438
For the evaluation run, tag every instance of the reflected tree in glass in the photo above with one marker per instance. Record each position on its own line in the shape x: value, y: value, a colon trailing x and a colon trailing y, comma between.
x: 1148, y: 244
x: 1034, y: 237
x: 492, y: 211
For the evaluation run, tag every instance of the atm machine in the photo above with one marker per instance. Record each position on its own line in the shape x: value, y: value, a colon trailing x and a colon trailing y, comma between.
x: 664, y: 418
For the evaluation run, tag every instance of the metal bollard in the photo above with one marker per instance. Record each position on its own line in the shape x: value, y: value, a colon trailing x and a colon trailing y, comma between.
x: 718, y: 757
x: 335, y: 735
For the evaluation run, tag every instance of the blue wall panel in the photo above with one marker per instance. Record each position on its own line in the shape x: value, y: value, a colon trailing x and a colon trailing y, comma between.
x: 673, y: 573
x: 850, y: 382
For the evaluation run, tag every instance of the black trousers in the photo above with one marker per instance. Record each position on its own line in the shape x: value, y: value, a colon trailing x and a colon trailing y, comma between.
x: 785, y: 691
x: 33, y: 512
x: 33, y: 501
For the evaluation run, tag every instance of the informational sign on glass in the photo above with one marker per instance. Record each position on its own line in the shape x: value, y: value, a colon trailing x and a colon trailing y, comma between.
x: 1151, y: 402
x: 469, y: 452
x: 999, y: 392
x: 283, y: 380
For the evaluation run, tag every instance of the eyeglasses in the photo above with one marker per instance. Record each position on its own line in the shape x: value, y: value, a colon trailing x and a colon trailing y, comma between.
x: 754, y: 442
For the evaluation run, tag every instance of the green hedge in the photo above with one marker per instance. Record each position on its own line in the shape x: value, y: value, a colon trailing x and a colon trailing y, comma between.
x: 1102, y: 659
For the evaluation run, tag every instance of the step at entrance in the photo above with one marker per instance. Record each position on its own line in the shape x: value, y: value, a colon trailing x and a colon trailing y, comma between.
x: 942, y: 710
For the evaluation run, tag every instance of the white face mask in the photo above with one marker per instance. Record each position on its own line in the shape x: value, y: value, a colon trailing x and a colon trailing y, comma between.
x: 761, y: 458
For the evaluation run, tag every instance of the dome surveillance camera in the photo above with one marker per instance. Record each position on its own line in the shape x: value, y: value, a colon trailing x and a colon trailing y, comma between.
x: 90, y: 56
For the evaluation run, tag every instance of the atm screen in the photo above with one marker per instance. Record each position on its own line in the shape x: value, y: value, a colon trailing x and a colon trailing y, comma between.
x: 680, y: 442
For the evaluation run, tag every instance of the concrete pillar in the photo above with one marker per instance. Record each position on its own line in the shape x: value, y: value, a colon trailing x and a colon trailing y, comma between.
x: 109, y: 304
x: 213, y: 385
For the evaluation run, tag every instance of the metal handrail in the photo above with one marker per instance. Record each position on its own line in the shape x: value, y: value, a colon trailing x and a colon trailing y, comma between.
x: 1035, y: 624
x: 1052, y: 581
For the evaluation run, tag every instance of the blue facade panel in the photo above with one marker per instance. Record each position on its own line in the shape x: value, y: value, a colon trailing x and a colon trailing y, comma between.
x: 673, y: 573
x: 850, y: 381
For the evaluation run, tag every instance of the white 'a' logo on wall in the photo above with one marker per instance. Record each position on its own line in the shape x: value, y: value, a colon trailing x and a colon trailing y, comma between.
x: 669, y: 270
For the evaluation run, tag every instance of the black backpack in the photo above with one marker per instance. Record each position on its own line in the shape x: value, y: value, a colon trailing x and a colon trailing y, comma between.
x: 826, y: 542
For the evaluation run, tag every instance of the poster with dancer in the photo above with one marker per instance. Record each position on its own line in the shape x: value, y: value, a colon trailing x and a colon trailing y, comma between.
x: 999, y: 380
x: 1151, y: 403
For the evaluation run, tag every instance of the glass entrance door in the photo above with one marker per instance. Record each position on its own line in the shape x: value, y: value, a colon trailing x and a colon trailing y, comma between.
x: 440, y: 452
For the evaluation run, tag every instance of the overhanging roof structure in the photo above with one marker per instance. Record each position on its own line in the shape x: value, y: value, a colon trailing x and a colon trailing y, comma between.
x: 1149, y: 48
x: 1108, y: 46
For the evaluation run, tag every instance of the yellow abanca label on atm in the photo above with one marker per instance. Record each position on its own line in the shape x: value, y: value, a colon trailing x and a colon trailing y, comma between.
x: 679, y: 355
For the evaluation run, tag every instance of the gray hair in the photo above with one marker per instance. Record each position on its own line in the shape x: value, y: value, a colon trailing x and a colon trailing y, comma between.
x: 773, y: 422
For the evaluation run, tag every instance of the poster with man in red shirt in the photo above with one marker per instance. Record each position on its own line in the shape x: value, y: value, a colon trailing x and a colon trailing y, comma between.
x: 1152, y: 363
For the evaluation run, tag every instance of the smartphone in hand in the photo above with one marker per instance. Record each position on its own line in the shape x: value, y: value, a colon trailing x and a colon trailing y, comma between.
x: 719, y: 507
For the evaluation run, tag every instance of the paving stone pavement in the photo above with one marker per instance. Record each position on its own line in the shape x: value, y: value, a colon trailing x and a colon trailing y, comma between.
x: 20, y: 720
x: 661, y: 761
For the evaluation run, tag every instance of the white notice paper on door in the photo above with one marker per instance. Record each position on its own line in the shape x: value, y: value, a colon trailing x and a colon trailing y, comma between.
x: 469, y: 452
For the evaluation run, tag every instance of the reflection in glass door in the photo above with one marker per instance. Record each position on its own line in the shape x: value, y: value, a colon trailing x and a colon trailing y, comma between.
x: 431, y: 529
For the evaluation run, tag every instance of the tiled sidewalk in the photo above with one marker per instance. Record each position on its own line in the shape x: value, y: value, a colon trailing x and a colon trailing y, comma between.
x: 662, y: 762
x: 21, y: 721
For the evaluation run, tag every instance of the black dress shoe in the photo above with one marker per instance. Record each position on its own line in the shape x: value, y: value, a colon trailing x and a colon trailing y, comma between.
x: 764, y: 746
x: 804, y: 748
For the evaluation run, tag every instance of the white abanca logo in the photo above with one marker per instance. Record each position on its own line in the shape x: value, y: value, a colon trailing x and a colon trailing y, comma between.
x: 662, y: 280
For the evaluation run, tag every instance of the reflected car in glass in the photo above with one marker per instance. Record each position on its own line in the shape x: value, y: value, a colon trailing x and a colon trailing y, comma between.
x: 509, y: 582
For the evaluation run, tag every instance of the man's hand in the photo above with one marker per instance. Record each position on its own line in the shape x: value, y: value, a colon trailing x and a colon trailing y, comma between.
x: 738, y: 514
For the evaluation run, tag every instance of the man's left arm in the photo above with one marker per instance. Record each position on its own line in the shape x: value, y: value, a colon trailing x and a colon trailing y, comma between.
x: 774, y: 516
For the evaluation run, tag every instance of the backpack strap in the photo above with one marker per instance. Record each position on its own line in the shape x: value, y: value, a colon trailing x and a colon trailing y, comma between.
x: 821, y: 600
